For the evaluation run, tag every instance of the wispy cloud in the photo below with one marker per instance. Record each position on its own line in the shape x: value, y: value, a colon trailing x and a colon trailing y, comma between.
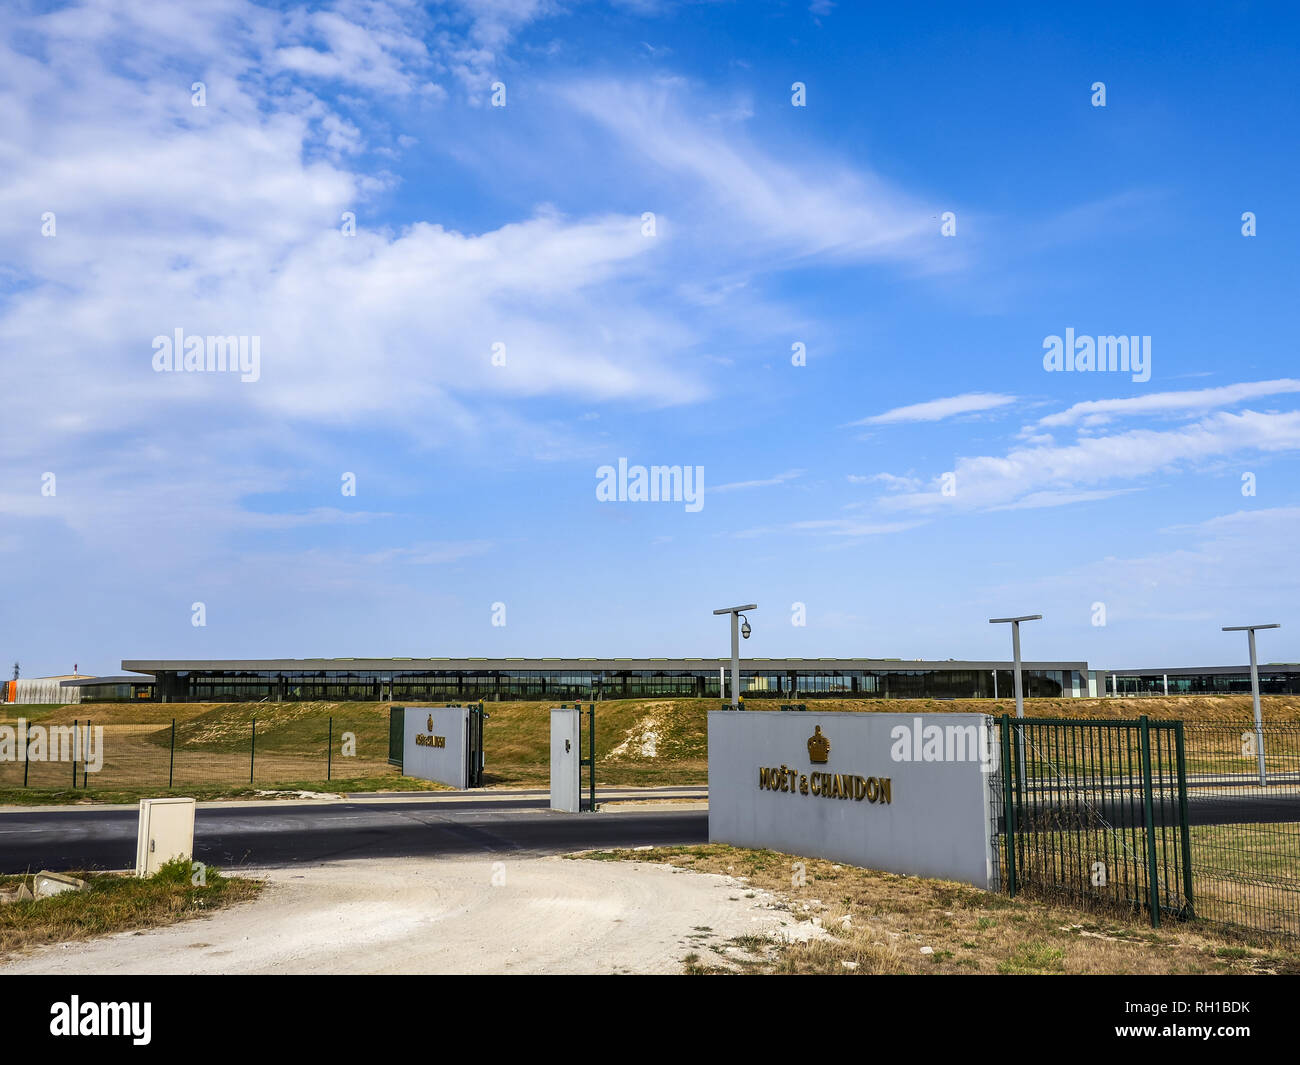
x: 820, y: 207
x: 1053, y: 475
x: 853, y: 527
x: 937, y: 409
x: 889, y: 480
x: 767, y: 482
x: 1100, y: 411
x: 431, y: 554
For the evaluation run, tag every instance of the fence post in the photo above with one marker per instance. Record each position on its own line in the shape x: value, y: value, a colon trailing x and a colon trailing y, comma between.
x: 1148, y: 815
x: 75, y: 724
x: 1184, y: 825
x: 591, y: 747
x: 84, y: 748
x: 1022, y: 762
x: 171, y: 761
x: 1008, y: 806
x: 329, y: 752
x: 27, y: 743
x: 252, y: 752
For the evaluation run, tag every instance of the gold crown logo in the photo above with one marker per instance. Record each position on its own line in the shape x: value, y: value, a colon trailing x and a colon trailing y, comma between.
x: 819, y: 747
x: 430, y: 723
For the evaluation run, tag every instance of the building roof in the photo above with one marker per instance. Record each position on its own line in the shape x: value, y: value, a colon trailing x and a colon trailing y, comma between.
x: 85, y: 682
x: 254, y: 665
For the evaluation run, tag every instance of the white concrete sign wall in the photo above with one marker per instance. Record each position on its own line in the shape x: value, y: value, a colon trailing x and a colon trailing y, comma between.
x: 434, y: 744
x: 905, y: 793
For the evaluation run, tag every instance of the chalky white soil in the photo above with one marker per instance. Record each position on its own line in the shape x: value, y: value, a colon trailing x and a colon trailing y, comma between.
x: 466, y: 915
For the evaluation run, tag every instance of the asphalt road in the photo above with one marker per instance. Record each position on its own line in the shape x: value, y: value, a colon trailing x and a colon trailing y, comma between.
x: 1127, y: 812
x: 284, y: 834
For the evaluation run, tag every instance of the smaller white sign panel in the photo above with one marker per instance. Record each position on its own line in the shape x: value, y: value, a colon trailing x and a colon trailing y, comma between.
x: 566, y: 781
x: 434, y: 744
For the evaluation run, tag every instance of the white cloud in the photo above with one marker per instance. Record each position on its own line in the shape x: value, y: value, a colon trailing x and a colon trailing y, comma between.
x: 744, y: 194
x: 431, y: 554
x: 768, y: 482
x: 224, y: 220
x: 854, y: 527
x: 889, y: 480
x: 937, y: 409
x: 1099, y: 411
x: 1052, y: 475
x: 1174, y: 600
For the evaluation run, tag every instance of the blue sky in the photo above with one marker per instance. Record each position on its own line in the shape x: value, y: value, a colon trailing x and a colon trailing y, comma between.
x: 523, y: 225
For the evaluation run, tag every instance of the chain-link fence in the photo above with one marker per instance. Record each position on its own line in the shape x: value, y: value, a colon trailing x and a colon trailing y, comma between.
x: 1244, y: 806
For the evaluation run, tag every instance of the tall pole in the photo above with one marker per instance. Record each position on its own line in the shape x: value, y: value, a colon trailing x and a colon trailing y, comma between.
x: 1254, y: 695
x: 1020, y: 695
x: 736, y: 633
x: 1015, y: 654
x: 735, y: 658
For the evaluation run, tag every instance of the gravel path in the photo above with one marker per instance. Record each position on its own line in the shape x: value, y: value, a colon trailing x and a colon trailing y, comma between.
x: 524, y: 915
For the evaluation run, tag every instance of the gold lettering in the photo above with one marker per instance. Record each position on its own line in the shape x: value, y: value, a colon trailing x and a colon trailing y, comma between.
x: 827, y: 785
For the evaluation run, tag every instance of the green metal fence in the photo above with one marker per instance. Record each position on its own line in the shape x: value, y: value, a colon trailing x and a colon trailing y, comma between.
x: 178, y: 754
x: 1164, y: 818
x: 1096, y: 811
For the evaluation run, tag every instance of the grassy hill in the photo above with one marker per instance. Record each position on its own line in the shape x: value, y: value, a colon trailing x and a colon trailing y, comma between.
x: 638, y: 741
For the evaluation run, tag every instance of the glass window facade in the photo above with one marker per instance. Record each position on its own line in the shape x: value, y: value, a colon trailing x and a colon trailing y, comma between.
x: 562, y: 685
x: 1271, y: 682
x: 116, y: 693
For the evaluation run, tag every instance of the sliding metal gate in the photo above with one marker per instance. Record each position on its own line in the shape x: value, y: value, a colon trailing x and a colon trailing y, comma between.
x: 1096, y: 811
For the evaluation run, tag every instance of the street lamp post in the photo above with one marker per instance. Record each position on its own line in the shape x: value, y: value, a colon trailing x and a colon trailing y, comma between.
x: 1015, y: 653
x: 736, y: 632
x: 1249, y: 630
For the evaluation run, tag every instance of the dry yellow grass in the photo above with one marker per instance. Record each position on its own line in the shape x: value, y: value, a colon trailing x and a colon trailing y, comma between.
x: 891, y: 919
x: 117, y: 903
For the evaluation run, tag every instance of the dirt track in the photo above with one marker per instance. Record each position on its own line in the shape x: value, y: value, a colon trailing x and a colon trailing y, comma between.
x: 543, y: 915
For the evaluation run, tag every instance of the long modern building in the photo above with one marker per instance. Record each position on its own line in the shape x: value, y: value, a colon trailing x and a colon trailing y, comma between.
x: 499, y: 679
x: 1275, y: 678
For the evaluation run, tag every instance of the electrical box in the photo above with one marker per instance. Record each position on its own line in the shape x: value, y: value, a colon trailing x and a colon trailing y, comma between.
x: 166, y: 831
x: 566, y: 778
